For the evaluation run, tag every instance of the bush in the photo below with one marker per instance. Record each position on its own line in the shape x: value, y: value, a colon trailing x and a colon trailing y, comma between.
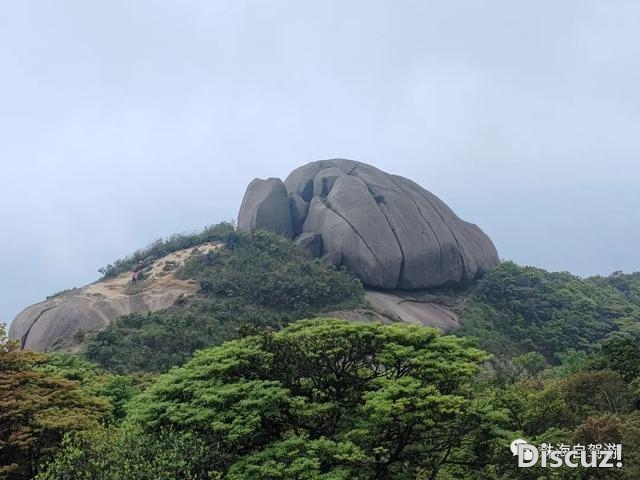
x: 37, y: 408
x: 127, y: 454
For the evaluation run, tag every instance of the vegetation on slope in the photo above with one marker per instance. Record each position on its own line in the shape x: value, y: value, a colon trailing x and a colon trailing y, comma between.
x: 254, y: 280
x: 165, y: 246
x: 261, y: 281
x: 326, y: 399
x: 515, y: 309
x: 320, y: 399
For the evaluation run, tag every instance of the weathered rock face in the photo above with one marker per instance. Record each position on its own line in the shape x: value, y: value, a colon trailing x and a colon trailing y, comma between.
x: 407, y: 307
x: 386, y: 229
x: 60, y: 322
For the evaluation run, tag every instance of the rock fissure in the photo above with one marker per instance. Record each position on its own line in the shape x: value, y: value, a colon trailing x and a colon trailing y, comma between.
x: 455, y: 238
x: 328, y: 205
x: 425, y: 221
x: 393, y: 230
x: 23, y: 340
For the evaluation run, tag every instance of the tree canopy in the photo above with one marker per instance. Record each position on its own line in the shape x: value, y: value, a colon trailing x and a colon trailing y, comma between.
x: 36, y: 409
x: 322, y: 399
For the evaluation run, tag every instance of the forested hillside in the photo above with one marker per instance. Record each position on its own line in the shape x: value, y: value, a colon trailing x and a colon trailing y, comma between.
x: 515, y: 309
x: 258, y: 392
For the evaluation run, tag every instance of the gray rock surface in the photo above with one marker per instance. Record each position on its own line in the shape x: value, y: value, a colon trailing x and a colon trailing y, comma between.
x: 310, y: 244
x: 350, y: 222
x: 397, y: 306
x: 325, y: 179
x: 388, y: 230
x: 299, y: 210
x: 266, y: 206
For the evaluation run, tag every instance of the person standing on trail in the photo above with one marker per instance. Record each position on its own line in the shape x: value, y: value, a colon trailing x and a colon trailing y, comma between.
x: 134, y: 278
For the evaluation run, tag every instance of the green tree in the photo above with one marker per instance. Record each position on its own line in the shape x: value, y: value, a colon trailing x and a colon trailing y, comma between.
x: 621, y: 352
x: 127, y: 453
x: 611, y: 428
x: 590, y: 393
x: 327, y: 399
x: 514, y: 310
x: 36, y: 410
x: 95, y: 382
x: 267, y: 270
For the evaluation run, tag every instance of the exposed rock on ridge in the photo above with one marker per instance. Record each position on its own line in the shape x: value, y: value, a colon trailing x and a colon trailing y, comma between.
x: 386, y: 229
x: 60, y: 322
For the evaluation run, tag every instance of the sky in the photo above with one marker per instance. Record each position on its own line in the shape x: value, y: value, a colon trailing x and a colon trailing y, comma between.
x: 125, y: 121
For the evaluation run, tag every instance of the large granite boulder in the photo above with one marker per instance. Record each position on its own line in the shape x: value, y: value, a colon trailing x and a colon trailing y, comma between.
x: 386, y: 229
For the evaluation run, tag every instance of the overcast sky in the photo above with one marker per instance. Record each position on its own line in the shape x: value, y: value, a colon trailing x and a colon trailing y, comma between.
x: 125, y: 121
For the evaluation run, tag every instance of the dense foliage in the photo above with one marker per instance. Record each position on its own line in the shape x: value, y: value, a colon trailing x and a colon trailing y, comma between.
x: 252, y: 281
x: 327, y: 399
x: 321, y: 399
x: 127, y: 453
x: 515, y: 309
x: 115, y: 389
x: 628, y: 285
x: 37, y: 408
x: 267, y: 270
x: 157, y: 341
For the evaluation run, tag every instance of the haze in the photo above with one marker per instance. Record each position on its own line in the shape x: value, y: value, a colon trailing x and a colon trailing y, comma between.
x: 122, y: 122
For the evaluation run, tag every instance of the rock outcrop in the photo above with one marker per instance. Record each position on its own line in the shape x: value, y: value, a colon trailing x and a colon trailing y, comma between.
x: 61, y: 321
x: 419, y: 308
x: 386, y: 229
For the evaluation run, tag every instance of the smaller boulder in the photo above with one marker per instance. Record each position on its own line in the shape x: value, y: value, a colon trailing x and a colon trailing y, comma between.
x: 265, y: 206
x: 310, y: 244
